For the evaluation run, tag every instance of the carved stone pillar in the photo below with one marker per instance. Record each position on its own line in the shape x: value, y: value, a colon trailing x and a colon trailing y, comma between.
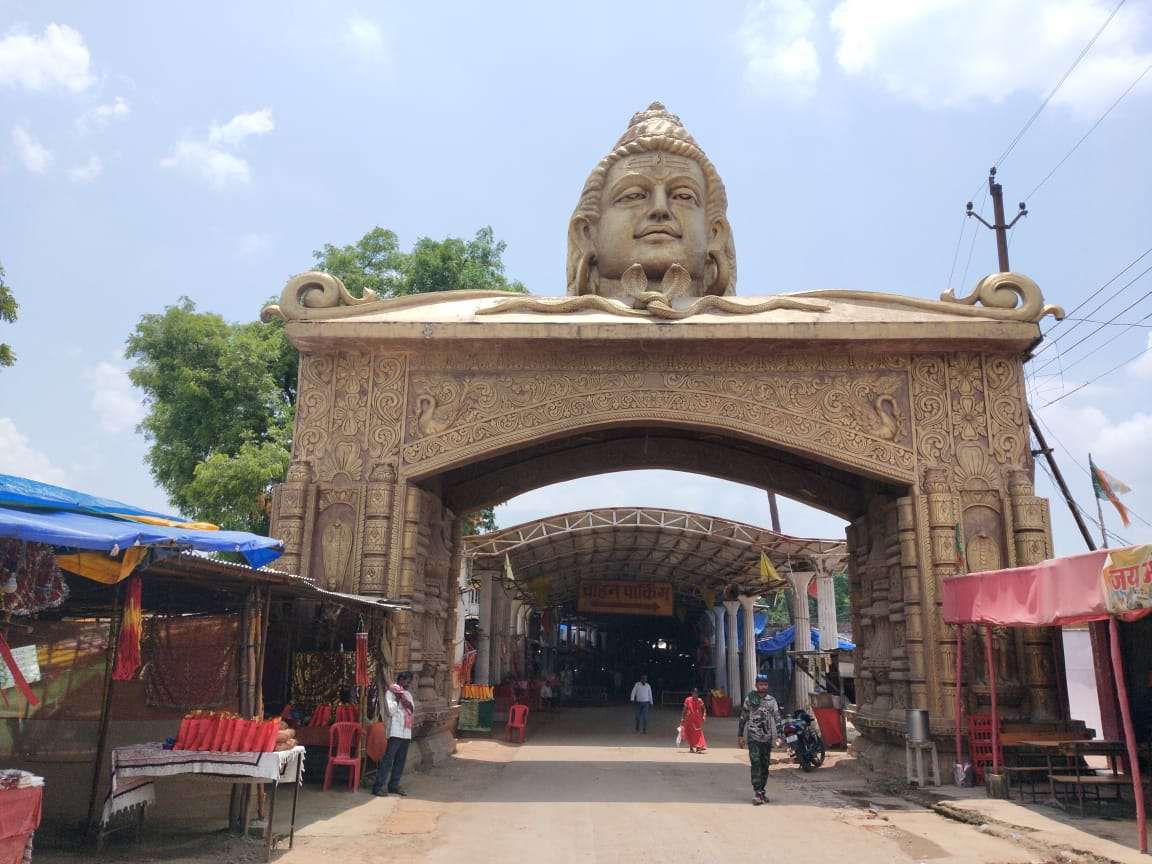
x: 942, y: 521
x: 826, y: 607
x: 801, y: 683
x: 750, y: 667
x: 482, y: 671
x: 912, y: 601
x: 293, y: 506
x: 1044, y: 674
x: 733, y: 642
x: 719, y: 661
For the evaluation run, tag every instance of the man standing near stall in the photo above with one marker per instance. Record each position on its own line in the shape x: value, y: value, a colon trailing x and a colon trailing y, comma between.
x: 642, y: 696
x: 400, y: 708
x: 759, y: 722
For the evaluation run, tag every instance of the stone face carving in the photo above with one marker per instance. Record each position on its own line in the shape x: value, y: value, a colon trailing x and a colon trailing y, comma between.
x: 654, y: 203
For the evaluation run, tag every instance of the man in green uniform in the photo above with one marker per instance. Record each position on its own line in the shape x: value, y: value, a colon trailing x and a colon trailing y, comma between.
x: 759, y: 722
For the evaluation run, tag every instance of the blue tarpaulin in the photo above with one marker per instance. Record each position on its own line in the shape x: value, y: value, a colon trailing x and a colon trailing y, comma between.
x: 25, y: 494
x: 40, y: 513
x: 783, y: 640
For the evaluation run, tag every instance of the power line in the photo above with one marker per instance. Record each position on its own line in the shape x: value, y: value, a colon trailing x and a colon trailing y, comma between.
x: 1039, y: 110
x: 956, y: 253
x: 1079, y: 360
x: 1091, y: 297
x: 1088, y: 516
x: 1110, y: 323
x: 1099, y: 327
x: 1080, y: 464
x: 972, y: 245
x: 1135, y: 356
x: 1091, y: 129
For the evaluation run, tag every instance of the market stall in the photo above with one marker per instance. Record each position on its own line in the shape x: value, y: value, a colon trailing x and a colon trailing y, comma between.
x: 1105, y: 585
x: 136, y: 626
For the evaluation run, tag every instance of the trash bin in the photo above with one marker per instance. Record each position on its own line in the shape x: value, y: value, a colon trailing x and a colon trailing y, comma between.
x: 916, y: 725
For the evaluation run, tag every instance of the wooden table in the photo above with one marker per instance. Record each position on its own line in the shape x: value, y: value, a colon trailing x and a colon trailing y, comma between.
x: 134, y: 770
x: 1074, y: 751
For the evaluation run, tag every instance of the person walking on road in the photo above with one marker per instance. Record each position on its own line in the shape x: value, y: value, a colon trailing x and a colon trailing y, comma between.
x: 642, y: 696
x: 692, y: 722
x: 759, y: 722
x: 400, y: 707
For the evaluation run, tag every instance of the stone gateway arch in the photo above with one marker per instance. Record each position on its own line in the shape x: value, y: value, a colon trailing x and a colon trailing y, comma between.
x: 905, y: 416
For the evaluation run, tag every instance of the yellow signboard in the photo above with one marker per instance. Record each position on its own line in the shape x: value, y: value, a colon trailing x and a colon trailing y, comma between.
x: 626, y: 598
x: 1127, y: 579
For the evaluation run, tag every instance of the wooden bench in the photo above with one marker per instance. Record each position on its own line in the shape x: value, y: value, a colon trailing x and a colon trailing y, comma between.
x: 1095, y: 782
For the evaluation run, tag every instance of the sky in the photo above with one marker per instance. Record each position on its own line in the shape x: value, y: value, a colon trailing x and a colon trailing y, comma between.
x: 204, y: 150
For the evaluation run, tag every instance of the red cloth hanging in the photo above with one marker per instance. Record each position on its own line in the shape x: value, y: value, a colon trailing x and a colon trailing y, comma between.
x: 362, y: 660
x: 131, y: 627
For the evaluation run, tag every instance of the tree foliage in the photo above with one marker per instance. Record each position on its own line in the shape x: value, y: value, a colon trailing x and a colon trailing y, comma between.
x: 221, y: 395
x: 8, y: 310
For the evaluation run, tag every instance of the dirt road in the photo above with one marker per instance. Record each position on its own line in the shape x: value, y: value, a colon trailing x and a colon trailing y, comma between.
x: 586, y: 788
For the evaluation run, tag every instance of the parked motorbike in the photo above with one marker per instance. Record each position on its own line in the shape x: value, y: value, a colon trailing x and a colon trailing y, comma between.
x: 801, y: 734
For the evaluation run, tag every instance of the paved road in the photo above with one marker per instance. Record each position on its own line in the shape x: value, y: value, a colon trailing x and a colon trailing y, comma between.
x: 586, y: 788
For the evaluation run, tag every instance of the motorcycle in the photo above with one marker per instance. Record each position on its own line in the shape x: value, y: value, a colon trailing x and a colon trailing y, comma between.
x: 802, y: 737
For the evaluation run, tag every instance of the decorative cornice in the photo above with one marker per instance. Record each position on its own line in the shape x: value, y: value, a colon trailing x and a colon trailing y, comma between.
x: 1003, y: 297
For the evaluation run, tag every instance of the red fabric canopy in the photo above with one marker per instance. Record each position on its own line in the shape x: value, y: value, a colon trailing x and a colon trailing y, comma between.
x: 1056, y: 592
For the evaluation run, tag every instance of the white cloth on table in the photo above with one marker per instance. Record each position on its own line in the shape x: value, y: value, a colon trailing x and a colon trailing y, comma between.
x: 134, y: 769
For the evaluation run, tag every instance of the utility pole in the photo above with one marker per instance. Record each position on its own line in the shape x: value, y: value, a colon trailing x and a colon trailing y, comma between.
x: 774, y: 511
x: 1101, y: 644
x: 998, y: 225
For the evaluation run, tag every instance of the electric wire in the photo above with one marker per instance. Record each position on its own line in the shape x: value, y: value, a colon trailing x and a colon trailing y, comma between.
x: 972, y: 245
x: 1090, y: 298
x: 956, y: 254
x: 1040, y: 109
x: 1088, y: 517
x: 1080, y: 464
x: 1099, y: 327
x: 1084, y: 137
x: 1080, y: 387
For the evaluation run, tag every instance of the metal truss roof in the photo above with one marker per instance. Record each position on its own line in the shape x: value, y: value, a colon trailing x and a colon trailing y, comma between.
x: 699, y: 554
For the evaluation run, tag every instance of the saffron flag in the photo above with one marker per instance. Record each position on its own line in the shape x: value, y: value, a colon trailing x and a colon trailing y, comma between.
x: 1108, y: 488
x: 767, y: 571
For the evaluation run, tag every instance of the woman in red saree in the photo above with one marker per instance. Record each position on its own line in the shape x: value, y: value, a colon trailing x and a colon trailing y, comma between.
x: 692, y: 722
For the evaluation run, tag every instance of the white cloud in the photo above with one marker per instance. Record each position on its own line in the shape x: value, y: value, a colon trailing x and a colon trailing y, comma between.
x: 253, y: 245
x: 87, y: 171
x: 32, y: 154
x: 214, y: 166
x: 214, y: 160
x: 58, y: 58
x: 953, y: 52
x: 780, y: 57
x: 365, y: 39
x: 116, y: 403
x: 242, y: 126
x: 100, y: 116
x: 1142, y: 368
x: 19, y: 457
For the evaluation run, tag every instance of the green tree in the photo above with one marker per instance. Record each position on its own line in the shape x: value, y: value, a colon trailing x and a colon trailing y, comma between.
x: 8, y: 310
x: 221, y: 395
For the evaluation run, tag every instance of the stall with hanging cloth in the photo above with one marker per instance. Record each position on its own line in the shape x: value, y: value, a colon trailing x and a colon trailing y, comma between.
x: 783, y: 639
x: 1108, y: 584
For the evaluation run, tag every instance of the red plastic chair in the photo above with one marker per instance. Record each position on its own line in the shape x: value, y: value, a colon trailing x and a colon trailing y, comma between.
x: 980, y: 744
x: 344, y: 745
x: 518, y: 720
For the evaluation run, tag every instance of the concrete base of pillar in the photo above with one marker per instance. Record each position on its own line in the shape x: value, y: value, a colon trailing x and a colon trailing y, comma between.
x: 434, y: 739
x: 433, y: 749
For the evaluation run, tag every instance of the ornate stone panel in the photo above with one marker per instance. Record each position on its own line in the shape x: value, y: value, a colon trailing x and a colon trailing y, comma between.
x: 859, y: 417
